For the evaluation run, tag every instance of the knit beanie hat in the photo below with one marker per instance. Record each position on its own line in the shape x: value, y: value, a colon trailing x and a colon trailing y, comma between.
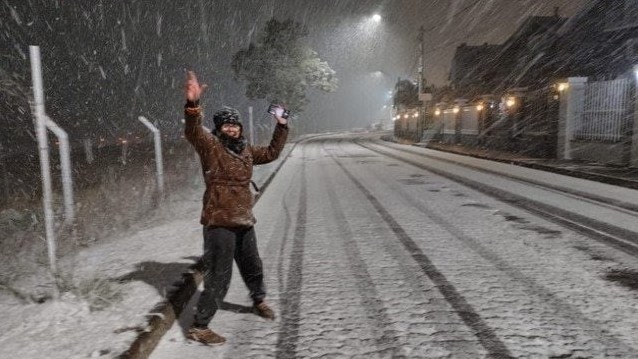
x: 227, y: 115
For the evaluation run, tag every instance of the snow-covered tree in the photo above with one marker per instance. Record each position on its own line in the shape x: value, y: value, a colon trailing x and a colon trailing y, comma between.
x: 280, y: 67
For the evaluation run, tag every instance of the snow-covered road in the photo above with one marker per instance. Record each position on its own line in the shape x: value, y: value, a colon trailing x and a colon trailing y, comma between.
x: 368, y: 256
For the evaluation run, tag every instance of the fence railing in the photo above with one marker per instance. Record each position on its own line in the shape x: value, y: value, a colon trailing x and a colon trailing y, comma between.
x: 469, y: 120
x: 606, y: 111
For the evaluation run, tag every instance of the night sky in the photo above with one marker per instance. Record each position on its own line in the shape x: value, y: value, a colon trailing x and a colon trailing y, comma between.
x: 368, y: 56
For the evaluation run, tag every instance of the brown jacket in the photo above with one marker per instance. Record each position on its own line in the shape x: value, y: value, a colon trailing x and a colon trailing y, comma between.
x: 228, y: 201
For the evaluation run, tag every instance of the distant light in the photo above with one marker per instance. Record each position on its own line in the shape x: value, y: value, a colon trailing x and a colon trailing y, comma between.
x: 437, y: 112
x: 456, y: 110
x: 385, y: 106
x: 511, y: 101
x: 376, y: 17
x: 562, y: 86
x: 405, y: 116
x: 416, y: 114
x: 479, y: 107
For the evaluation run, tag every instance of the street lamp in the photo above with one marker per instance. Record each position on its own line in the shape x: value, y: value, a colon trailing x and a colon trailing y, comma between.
x: 376, y: 17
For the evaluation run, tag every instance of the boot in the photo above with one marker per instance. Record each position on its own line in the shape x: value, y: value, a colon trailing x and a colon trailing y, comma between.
x: 263, y: 310
x: 205, y: 336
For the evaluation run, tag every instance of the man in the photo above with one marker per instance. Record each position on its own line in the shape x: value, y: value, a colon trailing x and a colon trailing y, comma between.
x: 227, y: 161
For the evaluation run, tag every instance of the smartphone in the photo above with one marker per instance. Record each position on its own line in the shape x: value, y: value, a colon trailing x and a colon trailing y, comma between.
x: 278, y: 110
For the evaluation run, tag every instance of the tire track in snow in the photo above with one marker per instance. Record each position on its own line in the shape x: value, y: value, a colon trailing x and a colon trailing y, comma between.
x: 484, y: 333
x: 387, y: 341
x: 291, y: 297
x: 278, y: 239
x: 559, y: 307
x: 611, y: 235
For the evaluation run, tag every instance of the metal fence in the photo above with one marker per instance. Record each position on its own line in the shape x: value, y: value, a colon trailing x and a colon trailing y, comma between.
x: 469, y: 120
x: 449, y: 122
x: 606, y: 114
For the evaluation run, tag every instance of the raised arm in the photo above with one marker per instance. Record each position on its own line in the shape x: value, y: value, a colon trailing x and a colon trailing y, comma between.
x: 193, y: 129
x: 265, y: 154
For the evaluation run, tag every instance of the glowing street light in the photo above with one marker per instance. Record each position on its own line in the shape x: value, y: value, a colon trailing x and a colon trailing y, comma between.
x: 376, y: 17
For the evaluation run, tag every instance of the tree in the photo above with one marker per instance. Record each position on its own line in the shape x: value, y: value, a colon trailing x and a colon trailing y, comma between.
x: 280, y: 67
x: 406, y: 94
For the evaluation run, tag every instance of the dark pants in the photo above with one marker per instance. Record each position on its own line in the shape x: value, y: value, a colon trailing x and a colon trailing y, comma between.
x: 221, y: 245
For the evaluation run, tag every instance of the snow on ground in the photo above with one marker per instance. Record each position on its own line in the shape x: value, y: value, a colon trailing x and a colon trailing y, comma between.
x: 124, y: 277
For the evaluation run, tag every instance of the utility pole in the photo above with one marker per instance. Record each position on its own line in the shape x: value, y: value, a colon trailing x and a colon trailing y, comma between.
x: 421, y: 119
x: 424, y: 97
x: 421, y: 38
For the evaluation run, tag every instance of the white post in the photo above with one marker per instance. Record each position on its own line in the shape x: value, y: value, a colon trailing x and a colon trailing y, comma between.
x: 158, y: 152
x: 572, y: 103
x: 124, y: 150
x: 65, y: 163
x: 633, y: 159
x: 88, y: 150
x: 5, y: 176
x: 250, y: 124
x: 45, y: 170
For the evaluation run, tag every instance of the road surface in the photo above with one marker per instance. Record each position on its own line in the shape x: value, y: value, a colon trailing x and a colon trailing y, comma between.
x: 374, y: 250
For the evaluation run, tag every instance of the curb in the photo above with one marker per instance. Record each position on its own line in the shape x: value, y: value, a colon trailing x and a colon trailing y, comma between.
x: 164, y: 314
x: 597, y: 177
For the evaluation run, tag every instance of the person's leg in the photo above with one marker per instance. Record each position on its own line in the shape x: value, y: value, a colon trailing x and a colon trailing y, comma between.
x: 219, y: 247
x: 251, y: 269
x: 250, y: 264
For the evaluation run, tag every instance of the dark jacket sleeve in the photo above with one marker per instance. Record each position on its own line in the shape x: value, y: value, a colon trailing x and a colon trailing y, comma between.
x: 265, y: 154
x: 194, y: 131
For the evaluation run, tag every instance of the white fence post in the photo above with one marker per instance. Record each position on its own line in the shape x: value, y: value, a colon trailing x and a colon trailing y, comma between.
x: 572, y: 102
x: 38, y: 104
x: 158, y: 152
x: 250, y: 124
x: 65, y: 164
x: 5, y: 175
x: 124, y: 150
x: 88, y: 150
x: 633, y: 159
